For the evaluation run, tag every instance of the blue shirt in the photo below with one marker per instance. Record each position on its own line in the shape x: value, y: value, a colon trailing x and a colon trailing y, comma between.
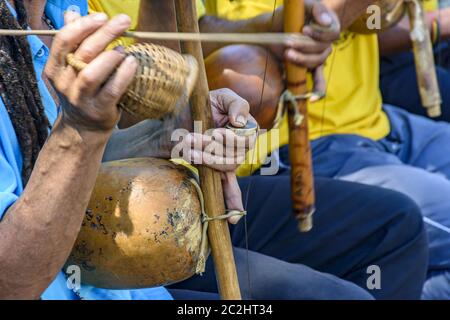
x: 11, y: 163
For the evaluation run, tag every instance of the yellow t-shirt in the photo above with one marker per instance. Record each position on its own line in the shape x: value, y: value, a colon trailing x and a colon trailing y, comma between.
x: 431, y: 5
x: 128, y: 7
x: 234, y: 10
x: 353, y: 104
x: 115, y: 7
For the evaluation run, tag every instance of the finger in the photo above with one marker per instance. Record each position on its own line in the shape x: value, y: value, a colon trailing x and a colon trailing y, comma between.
x: 241, y: 144
x: 311, y: 46
x: 233, y: 195
x: 319, y: 83
x: 213, y: 161
x: 238, y: 111
x: 237, y: 108
x: 69, y: 38
x: 220, y: 157
x: 70, y: 16
x: 326, y: 26
x: 98, y: 41
x: 91, y: 78
x: 309, y: 61
x: 220, y: 144
x: 197, y: 140
x: 119, y: 82
x: 323, y: 35
x: 321, y: 14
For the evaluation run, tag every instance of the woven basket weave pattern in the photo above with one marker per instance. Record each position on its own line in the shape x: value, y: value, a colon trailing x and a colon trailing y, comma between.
x: 162, y: 78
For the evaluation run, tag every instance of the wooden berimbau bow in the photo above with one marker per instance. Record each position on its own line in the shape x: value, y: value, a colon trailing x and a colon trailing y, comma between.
x: 302, y: 182
x: 210, y: 181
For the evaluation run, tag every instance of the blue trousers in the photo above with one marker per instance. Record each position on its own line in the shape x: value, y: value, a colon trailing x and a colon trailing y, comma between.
x: 398, y: 82
x: 355, y: 226
x: 413, y: 159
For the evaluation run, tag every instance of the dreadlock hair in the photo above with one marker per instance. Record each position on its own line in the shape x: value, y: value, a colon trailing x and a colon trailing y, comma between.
x: 19, y: 89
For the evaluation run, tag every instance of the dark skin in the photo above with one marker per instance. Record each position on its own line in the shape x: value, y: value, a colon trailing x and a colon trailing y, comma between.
x: 332, y: 14
x: 336, y: 15
x: 340, y: 15
x: 311, y: 55
x: 223, y: 69
x: 397, y: 38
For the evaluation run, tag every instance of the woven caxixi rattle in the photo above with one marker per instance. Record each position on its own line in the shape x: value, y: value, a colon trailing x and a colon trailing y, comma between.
x: 163, y: 78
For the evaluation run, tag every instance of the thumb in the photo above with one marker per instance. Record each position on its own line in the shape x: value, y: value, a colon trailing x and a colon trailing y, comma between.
x: 319, y: 84
x: 70, y: 16
x: 321, y: 15
x: 236, y: 107
x: 232, y: 194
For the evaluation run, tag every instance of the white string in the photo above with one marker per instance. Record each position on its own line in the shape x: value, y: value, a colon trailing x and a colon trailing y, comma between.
x: 436, y: 225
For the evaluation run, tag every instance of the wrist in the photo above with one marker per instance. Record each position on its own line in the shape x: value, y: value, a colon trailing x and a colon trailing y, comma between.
x: 73, y: 136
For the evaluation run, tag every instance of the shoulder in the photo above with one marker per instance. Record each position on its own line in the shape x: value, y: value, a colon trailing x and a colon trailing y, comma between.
x: 55, y: 10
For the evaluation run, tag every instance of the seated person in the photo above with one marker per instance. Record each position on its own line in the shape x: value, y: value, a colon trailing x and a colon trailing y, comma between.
x: 398, y: 81
x: 355, y: 137
x: 41, y: 229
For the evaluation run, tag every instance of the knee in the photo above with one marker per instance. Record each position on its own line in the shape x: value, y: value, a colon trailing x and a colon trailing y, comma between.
x: 405, y: 215
x: 437, y: 287
x: 298, y: 282
x: 407, y: 230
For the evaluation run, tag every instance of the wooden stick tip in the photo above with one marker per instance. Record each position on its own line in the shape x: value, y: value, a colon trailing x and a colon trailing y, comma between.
x: 305, y: 224
x: 434, y: 111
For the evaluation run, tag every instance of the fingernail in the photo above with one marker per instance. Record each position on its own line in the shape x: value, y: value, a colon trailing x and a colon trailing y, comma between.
x: 307, y: 31
x: 317, y: 96
x: 290, y: 54
x: 119, y: 49
x: 131, y: 59
x: 326, y: 18
x: 100, y: 17
x: 241, y: 120
x: 314, y: 98
x: 123, y: 18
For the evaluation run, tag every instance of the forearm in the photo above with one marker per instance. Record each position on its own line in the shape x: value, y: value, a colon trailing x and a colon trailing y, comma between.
x: 347, y: 11
x: 397, y: 38
x: 39, y: 230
